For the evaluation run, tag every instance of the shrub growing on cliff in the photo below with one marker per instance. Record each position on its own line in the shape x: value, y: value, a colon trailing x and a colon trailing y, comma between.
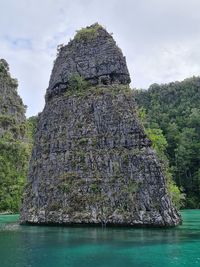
x: 77, y: 83
x: 88, y: 32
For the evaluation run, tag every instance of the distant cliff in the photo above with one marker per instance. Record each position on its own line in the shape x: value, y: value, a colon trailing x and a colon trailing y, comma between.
x: 92, y: 162
x: 13, y: 147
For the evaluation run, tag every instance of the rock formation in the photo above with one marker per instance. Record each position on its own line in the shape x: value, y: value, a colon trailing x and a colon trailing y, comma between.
x: 93, y: 55
x: 14, y: 153
x: 12, y: 109
x: 92, y: 162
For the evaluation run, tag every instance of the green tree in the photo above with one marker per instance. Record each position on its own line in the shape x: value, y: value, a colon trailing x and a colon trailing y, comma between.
x: 174, y: 108
x: 159, y: 144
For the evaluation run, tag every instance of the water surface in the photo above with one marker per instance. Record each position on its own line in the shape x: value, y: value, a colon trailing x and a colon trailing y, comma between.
x: 42, y: 246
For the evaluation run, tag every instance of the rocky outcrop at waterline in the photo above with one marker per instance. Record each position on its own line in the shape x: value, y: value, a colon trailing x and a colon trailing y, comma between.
x: 92, y: 162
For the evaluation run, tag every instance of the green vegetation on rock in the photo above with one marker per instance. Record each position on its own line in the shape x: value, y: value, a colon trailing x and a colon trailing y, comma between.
x: 77, y: 83
x: 31, y: 124
x: 88, y: 32
x: 14, y: 145
x: 13, y: 165
x: 159, y: 143
x: 174, y: 109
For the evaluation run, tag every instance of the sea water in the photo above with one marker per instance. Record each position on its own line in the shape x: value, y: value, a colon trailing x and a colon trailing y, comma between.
x: 43, y: 246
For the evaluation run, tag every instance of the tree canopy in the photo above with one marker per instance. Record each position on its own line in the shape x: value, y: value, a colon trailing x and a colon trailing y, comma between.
x: 174, y: 108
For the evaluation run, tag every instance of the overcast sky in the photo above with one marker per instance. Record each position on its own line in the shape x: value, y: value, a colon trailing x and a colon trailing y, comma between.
x: 160, y: 38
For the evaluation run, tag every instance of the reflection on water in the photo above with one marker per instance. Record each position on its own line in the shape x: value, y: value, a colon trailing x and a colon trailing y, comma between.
x: 33, y: 246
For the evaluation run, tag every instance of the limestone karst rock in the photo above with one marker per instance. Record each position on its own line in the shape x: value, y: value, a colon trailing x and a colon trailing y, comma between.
x: 93, y: 55
x: 12, y: 109
x: 92, y: 162
x: 13, y: 147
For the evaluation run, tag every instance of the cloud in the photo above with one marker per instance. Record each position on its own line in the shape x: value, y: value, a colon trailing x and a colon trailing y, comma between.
x: 159, y: 38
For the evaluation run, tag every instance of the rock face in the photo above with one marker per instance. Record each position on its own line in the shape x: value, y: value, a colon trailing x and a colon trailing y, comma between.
x: 12, y: 109
x: 92, y: 162
x: 94, y: 55
x: 14, y: 153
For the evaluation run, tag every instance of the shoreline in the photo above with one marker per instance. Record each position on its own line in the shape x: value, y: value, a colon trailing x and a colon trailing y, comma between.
x: 7, y: 213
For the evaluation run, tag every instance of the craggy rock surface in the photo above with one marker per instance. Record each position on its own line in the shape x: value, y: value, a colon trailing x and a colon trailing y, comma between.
x: 12, y: 109
x: 14, y: 147
x: 92, y: 54
x: 92, y: 162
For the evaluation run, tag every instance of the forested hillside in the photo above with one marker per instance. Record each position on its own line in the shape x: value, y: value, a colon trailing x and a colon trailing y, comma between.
x: 174, y: 108
x: 14, y: 144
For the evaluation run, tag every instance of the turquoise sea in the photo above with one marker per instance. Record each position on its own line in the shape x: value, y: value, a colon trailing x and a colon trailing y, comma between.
x: 42, y: 246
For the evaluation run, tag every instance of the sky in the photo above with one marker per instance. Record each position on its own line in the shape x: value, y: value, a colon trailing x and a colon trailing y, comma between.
x: 160, y: 38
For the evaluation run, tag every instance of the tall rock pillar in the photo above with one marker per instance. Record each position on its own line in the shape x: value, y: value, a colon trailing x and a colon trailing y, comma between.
x: 92, y: 162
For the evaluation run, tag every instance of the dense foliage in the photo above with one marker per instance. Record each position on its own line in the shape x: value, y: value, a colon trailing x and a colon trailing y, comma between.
x: 31, y: 128
x: 14, y: 145
x: 174, y: 108
x: 13, y: 165
x: 159, y: 144
x: 14, y: 158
